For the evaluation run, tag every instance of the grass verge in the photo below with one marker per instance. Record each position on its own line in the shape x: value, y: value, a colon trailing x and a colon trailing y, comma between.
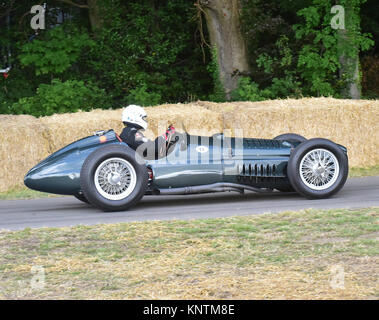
x: 24, y: 193
x: 364, y: 171
x: 312, y: 254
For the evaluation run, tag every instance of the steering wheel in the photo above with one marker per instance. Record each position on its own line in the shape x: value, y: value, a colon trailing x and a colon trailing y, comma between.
x: 165, y: 147
x: 172, y: 139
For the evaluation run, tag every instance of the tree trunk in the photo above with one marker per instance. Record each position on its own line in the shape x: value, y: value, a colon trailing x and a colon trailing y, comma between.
x: 349, y: 69
x: 348, y: 55
x: 95, y: 16
x: 223, y: 22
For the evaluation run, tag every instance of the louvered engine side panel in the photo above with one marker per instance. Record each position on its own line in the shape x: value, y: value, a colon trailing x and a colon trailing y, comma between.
x: 254, y: 172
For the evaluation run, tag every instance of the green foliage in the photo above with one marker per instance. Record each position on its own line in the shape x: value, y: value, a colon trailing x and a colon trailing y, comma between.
x: 286, y: 85
x: 56, y: 52
x: 141, y: 97
x: 318, y: 60
x: 267, y: 26
x: 148, y: 52
x: 247, y: 90
x: 218, y: 93
x: 148, y: 47
x: 293, y: 49
x: 280, y: 87
x: 61, y: 97
x: 16, y: 86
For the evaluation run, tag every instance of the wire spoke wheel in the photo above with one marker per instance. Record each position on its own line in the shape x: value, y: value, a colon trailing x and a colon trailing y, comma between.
x: 115, y: 178
x: 319, y: 169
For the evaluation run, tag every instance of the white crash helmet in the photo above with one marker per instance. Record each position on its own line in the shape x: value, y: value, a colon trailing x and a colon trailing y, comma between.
x: 133, y: 114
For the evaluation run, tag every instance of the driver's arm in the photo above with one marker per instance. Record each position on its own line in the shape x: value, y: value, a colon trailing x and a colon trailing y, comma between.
x: 153, y: 149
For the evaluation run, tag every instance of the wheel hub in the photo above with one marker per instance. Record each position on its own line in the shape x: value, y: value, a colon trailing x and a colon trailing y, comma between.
x: 115, y: 178
x: 319, y: 169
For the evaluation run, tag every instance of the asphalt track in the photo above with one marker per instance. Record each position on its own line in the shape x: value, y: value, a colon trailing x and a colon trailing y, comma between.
x: 67, y: 211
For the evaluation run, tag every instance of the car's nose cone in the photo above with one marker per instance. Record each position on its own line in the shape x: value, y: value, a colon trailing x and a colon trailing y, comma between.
x: 33, y: 180
x: 53, y: 177
x: 28, y: 181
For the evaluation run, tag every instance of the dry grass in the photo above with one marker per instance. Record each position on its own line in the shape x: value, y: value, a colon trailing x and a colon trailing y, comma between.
x: 355, y: 124
x: 283, y: 256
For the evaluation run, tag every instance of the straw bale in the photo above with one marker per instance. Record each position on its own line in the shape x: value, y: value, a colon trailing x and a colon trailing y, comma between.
x: 354, y: 124
x: 23, y: 144
x: 65, y: 128
x: 190, y: 118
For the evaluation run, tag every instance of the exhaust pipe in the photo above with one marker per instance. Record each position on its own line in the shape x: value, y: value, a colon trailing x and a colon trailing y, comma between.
x: 209, y: 188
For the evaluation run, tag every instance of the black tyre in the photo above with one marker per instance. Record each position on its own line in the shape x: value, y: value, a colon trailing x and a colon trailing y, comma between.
x: 113, y: 178
x: 317, y: 168
x: 81, y: 198
x: 292, y: 137
x: 288, y: 188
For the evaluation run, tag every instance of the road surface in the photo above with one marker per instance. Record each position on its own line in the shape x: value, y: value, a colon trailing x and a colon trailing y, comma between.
x: 68, y: 211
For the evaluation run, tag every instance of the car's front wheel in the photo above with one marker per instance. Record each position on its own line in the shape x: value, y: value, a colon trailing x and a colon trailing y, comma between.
x: 113, y: 178
x: 81, y: 197
x: 317, y: 168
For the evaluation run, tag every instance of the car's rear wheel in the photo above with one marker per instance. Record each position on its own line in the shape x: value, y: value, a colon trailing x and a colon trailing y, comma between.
x: 317, y: 168
x: 113, y: 178
x: 291, y: 137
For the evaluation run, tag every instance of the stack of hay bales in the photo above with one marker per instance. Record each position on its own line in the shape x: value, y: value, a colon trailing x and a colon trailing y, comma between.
x: 24, y: 143
x: 66, y: 128
x: 352, y: 123
x: 355, y: 124
x: 191, y: 118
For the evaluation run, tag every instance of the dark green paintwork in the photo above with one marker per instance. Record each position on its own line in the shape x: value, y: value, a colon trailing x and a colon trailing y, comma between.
x: 60, y: 172
x: 222, y: 163
x: 254, y: 162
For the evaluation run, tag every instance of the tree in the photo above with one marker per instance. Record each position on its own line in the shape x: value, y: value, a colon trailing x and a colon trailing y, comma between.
x: 223, y: 23
x: 329, y: 59
x: 349, y: 44
x: 93, y: 7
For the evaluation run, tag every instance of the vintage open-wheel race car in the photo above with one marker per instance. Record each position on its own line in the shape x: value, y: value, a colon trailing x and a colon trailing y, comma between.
x: 106, y: 173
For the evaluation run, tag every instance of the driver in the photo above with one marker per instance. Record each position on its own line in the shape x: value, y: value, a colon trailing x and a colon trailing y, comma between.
x: 134, y: 118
